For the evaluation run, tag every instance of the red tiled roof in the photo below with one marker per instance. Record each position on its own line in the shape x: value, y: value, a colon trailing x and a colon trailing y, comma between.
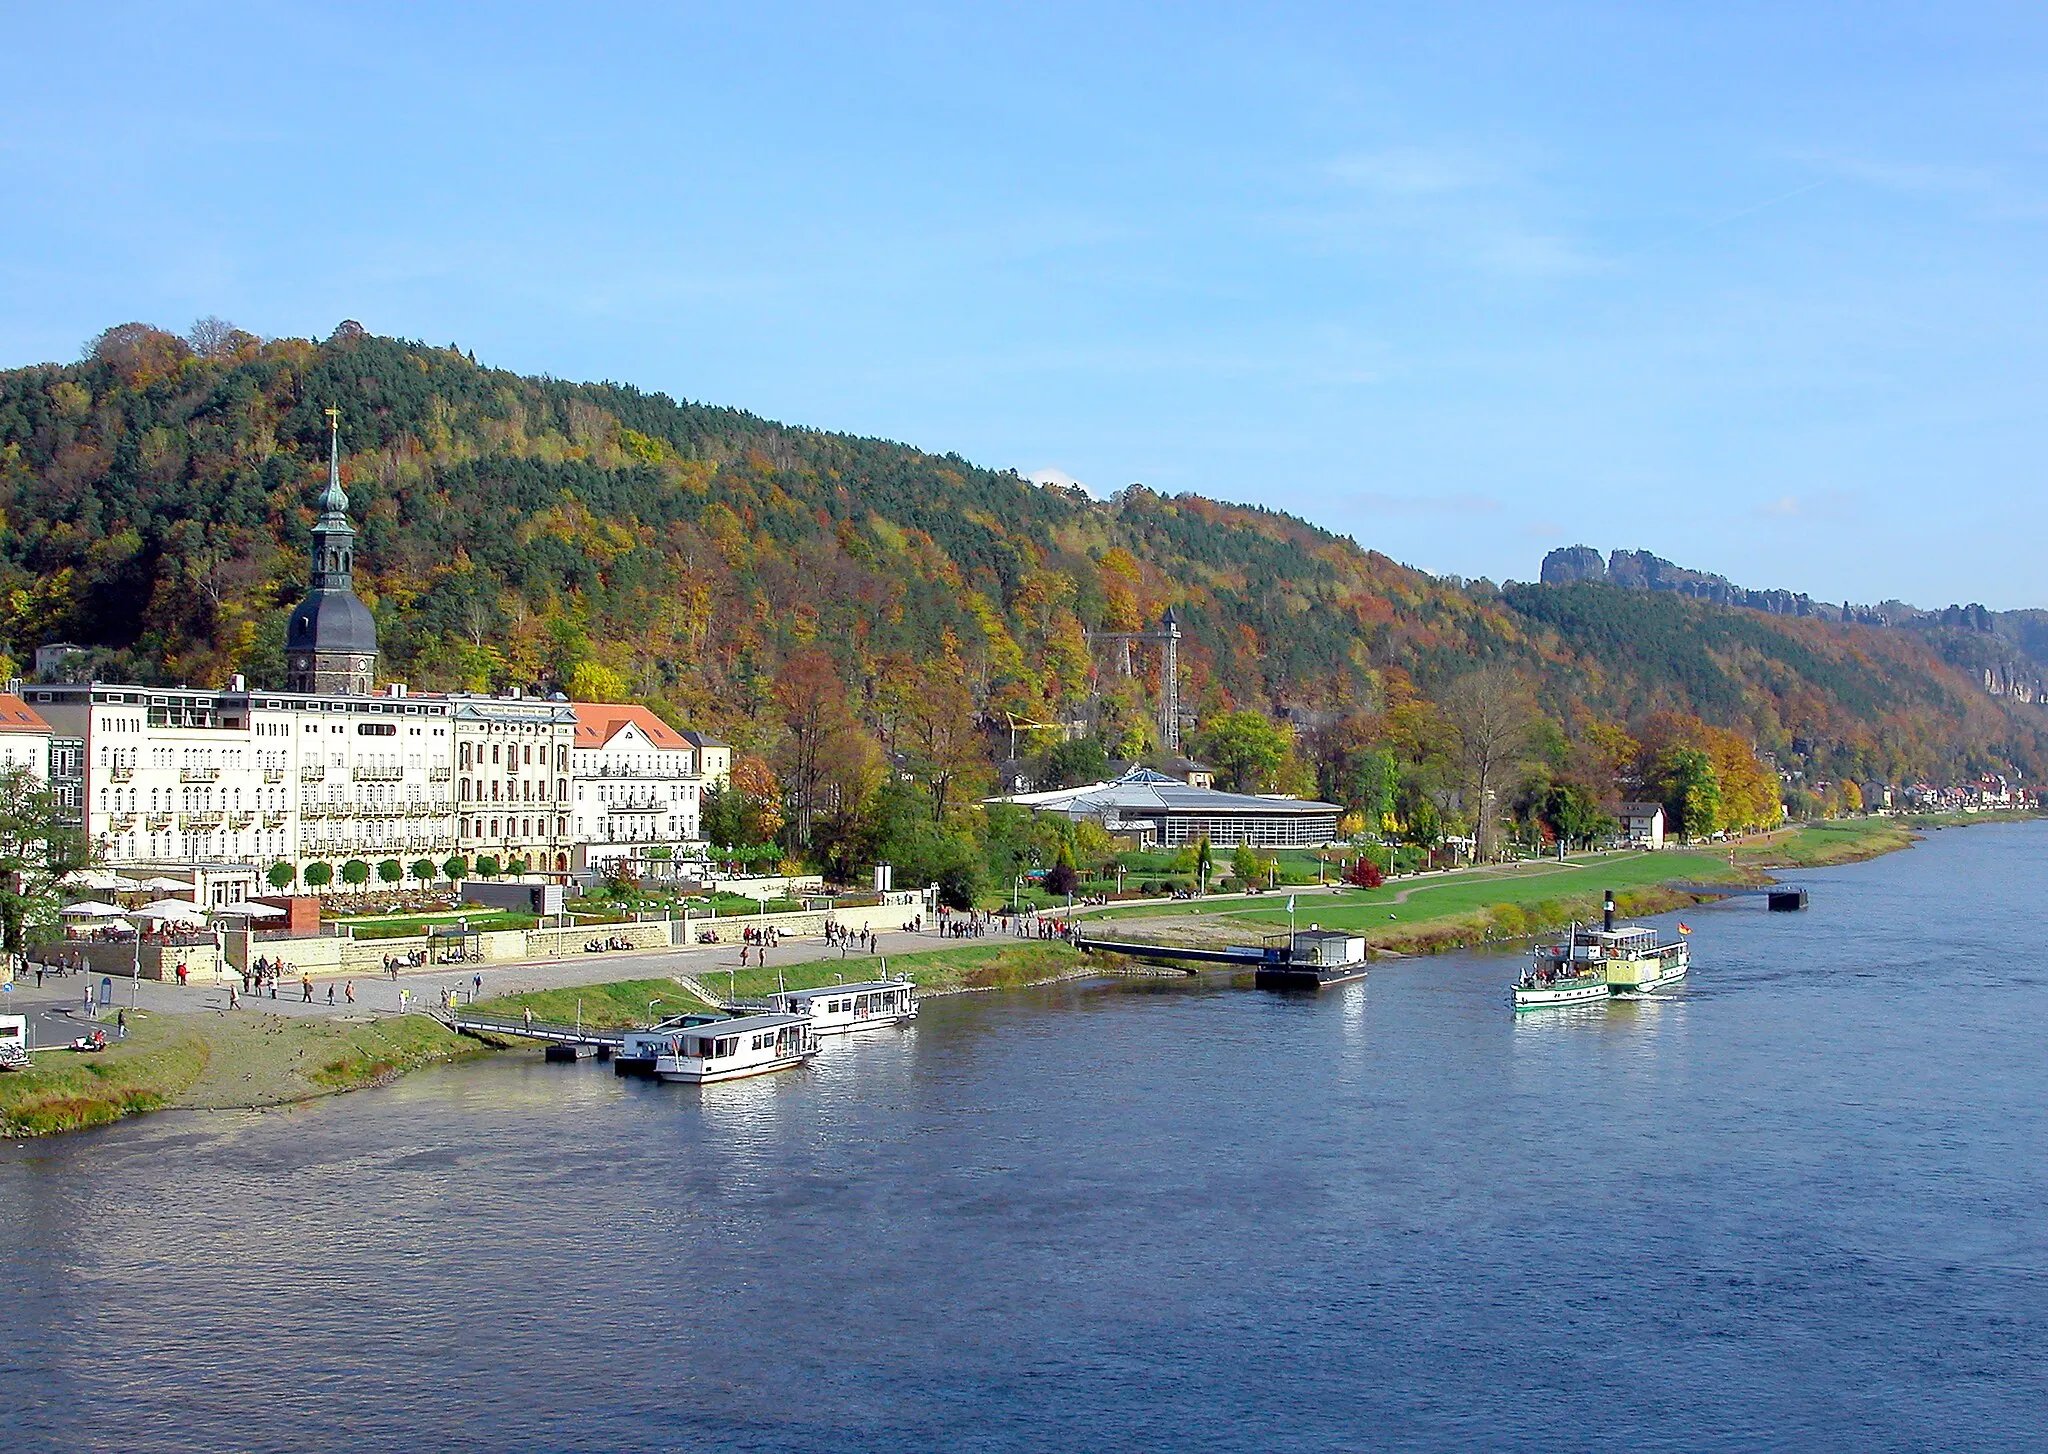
x: 17, y: 716
x: 599, y: 722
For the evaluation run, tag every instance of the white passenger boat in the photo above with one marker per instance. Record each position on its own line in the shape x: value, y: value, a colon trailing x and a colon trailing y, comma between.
x: 1546, y: 987
x: 731, y: 1049
x: 639, y: 1049
x: 1609, y: 961
x: 841, y: 1009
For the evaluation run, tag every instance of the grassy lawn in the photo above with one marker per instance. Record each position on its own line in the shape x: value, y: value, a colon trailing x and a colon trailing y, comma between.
x: 67, y: 1092
x: 408, y: 925
x: 1506, y: 902
x: 1838, y: 840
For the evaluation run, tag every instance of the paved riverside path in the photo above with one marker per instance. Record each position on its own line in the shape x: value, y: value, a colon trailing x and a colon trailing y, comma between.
x: 55, y: 1005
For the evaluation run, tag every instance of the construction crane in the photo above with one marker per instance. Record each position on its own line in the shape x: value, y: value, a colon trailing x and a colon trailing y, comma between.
x: 1016, y: 725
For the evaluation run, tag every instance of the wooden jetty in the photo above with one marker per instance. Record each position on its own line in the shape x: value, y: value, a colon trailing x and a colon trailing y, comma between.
x: 562, y: 1042
x: 1783, y: 898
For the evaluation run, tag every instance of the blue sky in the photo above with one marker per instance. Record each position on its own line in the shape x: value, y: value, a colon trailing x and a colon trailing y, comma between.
x: 1756, y: 287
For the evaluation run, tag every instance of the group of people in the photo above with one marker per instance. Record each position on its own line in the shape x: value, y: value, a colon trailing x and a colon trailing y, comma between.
x: 969, y: 925
x: 616, y: 941
x: 845, y: 938
x: 262, y: 975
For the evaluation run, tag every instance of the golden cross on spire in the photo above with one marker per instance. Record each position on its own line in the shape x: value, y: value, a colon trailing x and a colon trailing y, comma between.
x: 333, y: 419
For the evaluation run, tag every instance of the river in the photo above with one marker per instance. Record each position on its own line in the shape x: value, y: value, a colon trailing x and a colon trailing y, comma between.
x: 1797, y: 1205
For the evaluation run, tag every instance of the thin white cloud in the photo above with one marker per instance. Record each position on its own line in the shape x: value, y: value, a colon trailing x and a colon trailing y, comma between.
x: 1415, y: 171
x: 1532, y: 255
x: 1062, y: 480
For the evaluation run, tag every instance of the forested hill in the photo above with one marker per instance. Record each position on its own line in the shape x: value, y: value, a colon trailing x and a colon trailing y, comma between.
x: 522, y: 531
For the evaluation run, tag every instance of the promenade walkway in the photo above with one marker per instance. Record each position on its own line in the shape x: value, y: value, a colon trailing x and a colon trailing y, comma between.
x: 700, y: 968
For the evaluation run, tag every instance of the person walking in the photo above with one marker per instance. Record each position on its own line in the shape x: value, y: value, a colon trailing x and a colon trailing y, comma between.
x: 330, y: 992
x: 306, y: 985
x: 233, y: 1002
x: 348, y: 991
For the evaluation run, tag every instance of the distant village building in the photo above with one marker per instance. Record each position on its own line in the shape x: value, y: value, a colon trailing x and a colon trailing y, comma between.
x: 1150, y: 809
x: 1642, y: 824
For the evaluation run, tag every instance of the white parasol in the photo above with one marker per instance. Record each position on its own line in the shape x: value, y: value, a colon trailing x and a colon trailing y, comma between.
x: 248, y: 909
x: 181, y: 911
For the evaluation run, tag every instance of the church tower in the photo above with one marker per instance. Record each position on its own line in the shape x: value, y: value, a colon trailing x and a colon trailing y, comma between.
x: 330, y: 644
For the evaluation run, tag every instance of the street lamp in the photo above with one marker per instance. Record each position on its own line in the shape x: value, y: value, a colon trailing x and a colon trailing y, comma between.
x: 650, y: 1011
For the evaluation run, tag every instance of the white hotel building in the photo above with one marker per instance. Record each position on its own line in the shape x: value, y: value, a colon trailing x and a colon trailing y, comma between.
x: 638, y: 782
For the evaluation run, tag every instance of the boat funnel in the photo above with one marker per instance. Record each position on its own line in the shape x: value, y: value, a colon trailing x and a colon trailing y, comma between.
x: 1607, y: 910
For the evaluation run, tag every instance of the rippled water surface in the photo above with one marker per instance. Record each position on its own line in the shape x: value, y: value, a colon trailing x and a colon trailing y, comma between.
x: 1799, y: 1205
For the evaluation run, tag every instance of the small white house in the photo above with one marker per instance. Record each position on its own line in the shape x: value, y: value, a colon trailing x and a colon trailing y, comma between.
x: 1642, y: 824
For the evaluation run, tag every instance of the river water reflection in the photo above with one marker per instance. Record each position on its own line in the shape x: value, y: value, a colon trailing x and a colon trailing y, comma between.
x: 1797, y: 1205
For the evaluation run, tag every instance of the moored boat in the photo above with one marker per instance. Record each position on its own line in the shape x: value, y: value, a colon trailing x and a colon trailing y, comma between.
x: 732, y: 1049
x: 639, y: 1049
x: 1313, y: 958
x: 842, y: 1009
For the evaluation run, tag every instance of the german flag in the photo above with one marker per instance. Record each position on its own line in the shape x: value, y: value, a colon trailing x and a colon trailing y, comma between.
x: 1683, y: 927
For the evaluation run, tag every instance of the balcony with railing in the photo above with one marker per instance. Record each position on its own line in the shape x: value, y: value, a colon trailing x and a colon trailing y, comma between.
x: 377, y: 774
x: 198, y: 774
x: 190, y: 821
x: 312, y: 773
x: 638, y: 803
x: 120, y: 822
x: 158, y: 822
x: 275, y: 820
x: 439, y: 774
x: 122, y: 772
x: 273, y: 774
x: 241, y: 820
